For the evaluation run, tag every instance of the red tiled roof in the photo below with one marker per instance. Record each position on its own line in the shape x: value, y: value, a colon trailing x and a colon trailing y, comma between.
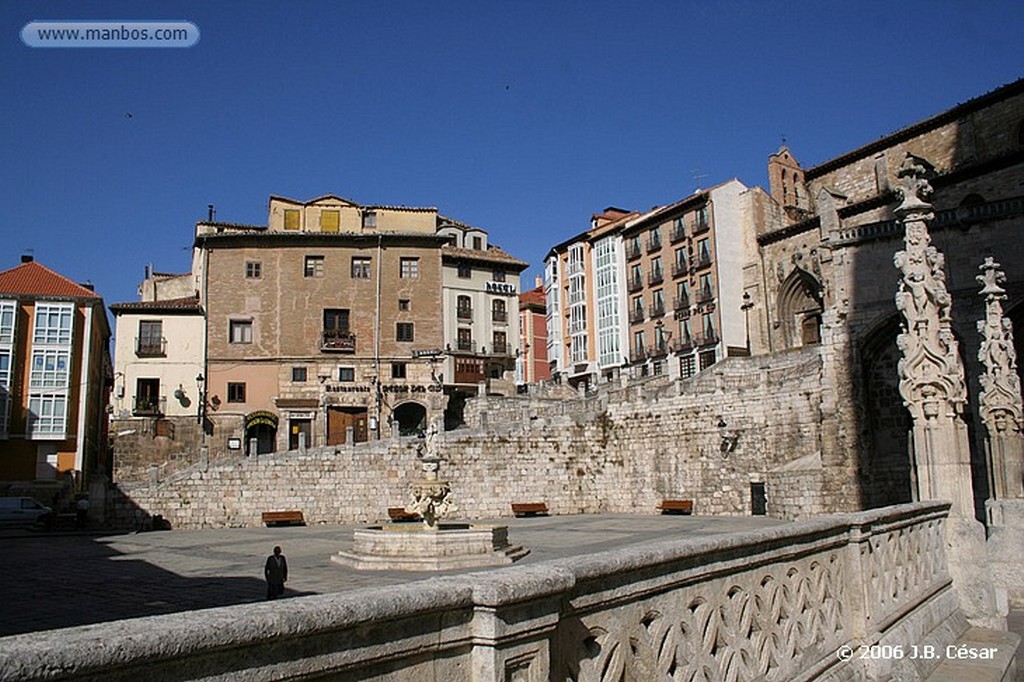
x: 33, y: 279
x: 492, y: 254
x: 170, y: 305
x: 534, y: 297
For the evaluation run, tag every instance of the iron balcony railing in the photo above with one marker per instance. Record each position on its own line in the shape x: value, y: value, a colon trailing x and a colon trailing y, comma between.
x: 464, y: 313
x: 653, y: 244
x: 657, y: 309
x: 702, y: 261
x: 500, y: 349
x: 681, y: 345
x: 338, y: 340
x: 655, y: 277
x: 149, y: 347
x: 638, y: 355
x: 499, y: 316
x: 678, y: 233
x: 149, y: 405
x: 635, y: 284
x: 466, y: 345
x: 705, y: 295
x: 658, y: 350
x: 701, y: 227
x: 636, y: 315
x: 632, y: 251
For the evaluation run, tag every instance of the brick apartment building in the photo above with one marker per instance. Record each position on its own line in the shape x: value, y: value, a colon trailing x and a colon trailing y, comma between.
x: 330, y: 324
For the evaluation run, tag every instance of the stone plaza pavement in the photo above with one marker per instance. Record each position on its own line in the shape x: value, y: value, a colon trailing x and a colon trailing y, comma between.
x: 55, y: 580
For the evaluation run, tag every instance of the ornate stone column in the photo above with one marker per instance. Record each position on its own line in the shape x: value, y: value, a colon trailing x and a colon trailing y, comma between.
x: 931, y: 374
x: 1000, y: 397
x: 934, y: 391
x: 1000, y: 401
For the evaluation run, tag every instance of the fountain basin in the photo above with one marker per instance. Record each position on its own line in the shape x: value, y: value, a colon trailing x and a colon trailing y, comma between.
x: 449, y: 546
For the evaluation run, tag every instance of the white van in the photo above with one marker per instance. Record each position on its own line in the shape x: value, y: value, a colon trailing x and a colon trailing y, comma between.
x: 23, y: 510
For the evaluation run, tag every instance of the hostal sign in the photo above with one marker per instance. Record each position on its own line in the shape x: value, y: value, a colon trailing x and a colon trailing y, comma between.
x: 503, y: 288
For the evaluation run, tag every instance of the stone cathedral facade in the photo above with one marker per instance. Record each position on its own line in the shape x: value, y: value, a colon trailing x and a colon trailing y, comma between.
x: 825, y: 274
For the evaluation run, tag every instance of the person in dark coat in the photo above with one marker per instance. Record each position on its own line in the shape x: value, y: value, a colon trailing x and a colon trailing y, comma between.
x: 276, y: 573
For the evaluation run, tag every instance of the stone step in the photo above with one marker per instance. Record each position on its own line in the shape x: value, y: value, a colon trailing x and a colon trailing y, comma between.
x: 990, y: 656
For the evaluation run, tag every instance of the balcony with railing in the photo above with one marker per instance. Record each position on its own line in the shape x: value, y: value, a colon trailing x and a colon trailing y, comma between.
x: 638, y: 355
x: 682, y: 307
x: 149, y: 347
x: 653, y: 243
x: 709, y: 338
x: 149, y: 406
x: 632, y: 251
x: 681, y: 345
x: 338, y: 341
x: 465, y: 346
x: 499, y: 316
x: 635, y: 284
x: 656, y: 276
x: 705, y: 296
x: 702, y: 260
x: 657, y: 309
x: 464, y: 313
x: 501, y: 349
x: 636, y: 315
x: 678, y: 233
x: 701, y: 226
x: 658, y: 350
x: 680, y: 268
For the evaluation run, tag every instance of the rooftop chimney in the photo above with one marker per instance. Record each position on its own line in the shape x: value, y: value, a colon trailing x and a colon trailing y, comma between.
x: 88, y: 285
x: 27, y: 258
x: 211, y: 212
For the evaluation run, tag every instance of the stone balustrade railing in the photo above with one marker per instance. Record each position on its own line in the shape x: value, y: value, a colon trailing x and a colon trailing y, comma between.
x: 774, y: 604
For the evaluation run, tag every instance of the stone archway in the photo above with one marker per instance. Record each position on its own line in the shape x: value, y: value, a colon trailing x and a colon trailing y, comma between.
x: 799, y: 308
x: 411, y: 418
x: 885, y: 468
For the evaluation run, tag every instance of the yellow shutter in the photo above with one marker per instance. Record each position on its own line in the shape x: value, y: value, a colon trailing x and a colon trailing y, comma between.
x: 330, y: 221
x: 291, y: 219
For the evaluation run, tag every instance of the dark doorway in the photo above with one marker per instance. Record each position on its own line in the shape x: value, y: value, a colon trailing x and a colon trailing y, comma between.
x: 758, y: 499
x: 300, y: 426
x: 411, y: 418
x: 265, y: 436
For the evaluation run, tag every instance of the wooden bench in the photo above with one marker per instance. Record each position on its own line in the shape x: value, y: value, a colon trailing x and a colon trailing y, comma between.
x: 283, y: 518
x: 529, y: 508
x: 398, y: 514
x: 676, y: 506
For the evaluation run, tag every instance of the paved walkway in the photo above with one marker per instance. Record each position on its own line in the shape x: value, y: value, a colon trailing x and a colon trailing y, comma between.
x: 60, y: 580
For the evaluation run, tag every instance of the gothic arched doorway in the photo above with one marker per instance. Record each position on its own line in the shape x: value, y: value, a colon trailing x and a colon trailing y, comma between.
x: 885, y: 468
x: 800, y: 307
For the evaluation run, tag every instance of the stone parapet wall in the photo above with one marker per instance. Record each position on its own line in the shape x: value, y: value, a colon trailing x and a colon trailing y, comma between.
x: 620, y: 451
x: 778, y: 604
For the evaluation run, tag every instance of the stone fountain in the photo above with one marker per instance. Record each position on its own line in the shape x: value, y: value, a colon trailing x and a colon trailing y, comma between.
x: 432, y: 545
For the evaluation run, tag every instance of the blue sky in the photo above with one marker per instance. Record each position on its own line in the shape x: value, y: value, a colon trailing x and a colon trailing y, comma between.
x: 522, y: 118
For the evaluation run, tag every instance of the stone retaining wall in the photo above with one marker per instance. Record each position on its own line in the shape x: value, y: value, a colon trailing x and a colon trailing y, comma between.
x: 748, y: 420
x: 774, y: 604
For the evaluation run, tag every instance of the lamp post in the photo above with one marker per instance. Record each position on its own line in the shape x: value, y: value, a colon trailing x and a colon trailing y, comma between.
x: 201, y: 405
x: 745, y: 307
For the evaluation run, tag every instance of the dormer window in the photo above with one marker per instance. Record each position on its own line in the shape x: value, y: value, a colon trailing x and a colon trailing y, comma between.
x: 478, y: 243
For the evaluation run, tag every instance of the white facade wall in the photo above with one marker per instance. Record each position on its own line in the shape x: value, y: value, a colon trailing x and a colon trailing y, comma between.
x: 181, y: 363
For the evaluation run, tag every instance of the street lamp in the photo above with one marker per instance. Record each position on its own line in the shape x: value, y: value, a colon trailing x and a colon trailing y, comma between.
x: 745, y: 307
x: 200, y: 380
